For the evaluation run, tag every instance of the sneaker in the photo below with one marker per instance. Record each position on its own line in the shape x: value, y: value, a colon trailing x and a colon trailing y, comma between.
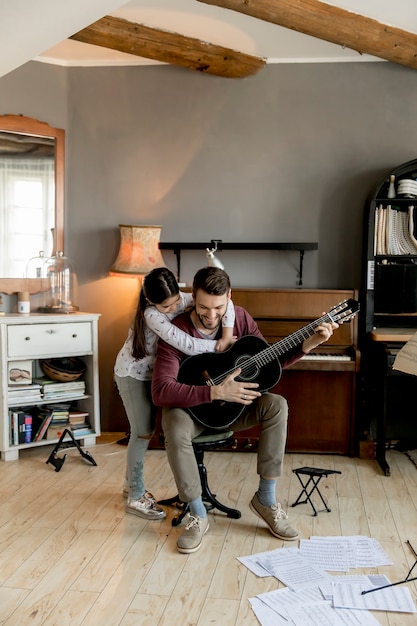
x: 276, y: 519
x: 192, y: 536
x: 145, y: 507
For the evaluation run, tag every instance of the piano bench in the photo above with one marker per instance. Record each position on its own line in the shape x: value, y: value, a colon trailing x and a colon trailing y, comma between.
x: 311, y: 484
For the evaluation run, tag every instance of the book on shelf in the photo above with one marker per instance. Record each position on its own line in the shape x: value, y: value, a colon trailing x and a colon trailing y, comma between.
x: 44, y: 380
x: 50, y: 385
x: 31, y: 393
x: 20, y: 427
x: 59, y: 406
x: 62, y: 395
x: 27, y: 434
x: 59, y: 413
x: 19, y: 372
x: 77, y: 417
x: 80, y: 432
x: 74, y: 413
x: 46, y: 420
x: 23, y: 388
x: 84, y: 424
x: 54, y: 431
x: 14, y: 424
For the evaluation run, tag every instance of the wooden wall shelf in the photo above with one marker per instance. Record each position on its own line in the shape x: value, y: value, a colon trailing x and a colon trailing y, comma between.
x: 177, y: 247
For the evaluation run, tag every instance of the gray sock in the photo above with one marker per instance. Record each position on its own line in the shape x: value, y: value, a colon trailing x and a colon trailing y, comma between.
x: 266, y: 491
x: 197, y: 507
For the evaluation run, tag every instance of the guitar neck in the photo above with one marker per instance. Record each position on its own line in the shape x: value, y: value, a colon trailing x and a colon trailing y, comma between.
x: 293, y: 340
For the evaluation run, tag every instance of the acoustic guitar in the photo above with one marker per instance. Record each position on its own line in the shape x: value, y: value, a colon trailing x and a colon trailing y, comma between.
x: 259, y: 363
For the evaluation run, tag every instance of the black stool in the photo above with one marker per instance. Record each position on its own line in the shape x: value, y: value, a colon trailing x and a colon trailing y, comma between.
x: 315, y: 475
x: 206, y: 441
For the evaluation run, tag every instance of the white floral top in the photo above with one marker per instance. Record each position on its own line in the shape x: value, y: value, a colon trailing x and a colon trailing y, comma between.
x: 158, y: 325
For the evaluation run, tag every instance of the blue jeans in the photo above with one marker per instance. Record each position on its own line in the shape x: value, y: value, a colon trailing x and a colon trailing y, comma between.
x: 137, y: 401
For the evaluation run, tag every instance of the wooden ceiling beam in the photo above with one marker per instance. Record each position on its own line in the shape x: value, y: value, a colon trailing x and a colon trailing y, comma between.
x: 167, y: 47
x: 333, y: 24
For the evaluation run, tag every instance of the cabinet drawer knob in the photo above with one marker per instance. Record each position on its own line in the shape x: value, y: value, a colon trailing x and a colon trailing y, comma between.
x: 74, y: 335
x: 27, y: 338
x: 50, y: 331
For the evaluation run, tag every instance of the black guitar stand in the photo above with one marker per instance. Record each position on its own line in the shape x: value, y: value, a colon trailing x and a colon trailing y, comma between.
x: 407, y: 579
x: 315, y: 475
x: 58, y: 462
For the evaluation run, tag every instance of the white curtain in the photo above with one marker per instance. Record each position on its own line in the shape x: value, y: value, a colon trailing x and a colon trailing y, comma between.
x: 27, y: 211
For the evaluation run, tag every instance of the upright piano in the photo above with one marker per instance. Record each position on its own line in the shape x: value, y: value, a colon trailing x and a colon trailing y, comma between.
x: 321, y: 387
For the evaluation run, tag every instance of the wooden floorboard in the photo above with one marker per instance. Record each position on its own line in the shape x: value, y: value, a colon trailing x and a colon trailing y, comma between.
x: 71, y: 556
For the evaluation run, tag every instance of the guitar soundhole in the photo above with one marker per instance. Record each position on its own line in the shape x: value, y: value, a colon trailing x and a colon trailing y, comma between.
x: 249, y: 370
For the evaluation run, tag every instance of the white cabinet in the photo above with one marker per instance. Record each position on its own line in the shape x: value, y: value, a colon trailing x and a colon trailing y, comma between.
x: 34, y: 337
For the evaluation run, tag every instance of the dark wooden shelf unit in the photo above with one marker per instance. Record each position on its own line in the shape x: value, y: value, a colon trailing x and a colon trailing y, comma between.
x: 177, y: 248
x: 388, y: 319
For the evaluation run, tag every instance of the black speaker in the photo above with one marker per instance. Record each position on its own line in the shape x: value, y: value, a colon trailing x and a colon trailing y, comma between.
x: 396, y: 288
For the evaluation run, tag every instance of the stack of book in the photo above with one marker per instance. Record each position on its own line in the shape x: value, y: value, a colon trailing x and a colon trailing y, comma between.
x: 24, y: 393
x: 59, y: 420
x: 50, y: 422
x: 20, y: 426
x: 79, y: 424
x: 52, y: 390
x: 44, y: 418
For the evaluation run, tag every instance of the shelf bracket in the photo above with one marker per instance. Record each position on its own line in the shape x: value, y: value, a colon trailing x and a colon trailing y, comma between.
x: 177, y: 252
x: 300, y: 271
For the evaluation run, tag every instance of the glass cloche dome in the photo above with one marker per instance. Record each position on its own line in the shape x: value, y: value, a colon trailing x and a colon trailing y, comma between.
x: 60, y: 294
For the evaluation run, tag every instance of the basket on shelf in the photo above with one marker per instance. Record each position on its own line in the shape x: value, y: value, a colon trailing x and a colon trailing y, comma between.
x: 63, y: 370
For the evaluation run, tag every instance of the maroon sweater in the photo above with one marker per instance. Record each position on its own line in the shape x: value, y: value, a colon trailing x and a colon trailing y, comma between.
x: 166, y: 391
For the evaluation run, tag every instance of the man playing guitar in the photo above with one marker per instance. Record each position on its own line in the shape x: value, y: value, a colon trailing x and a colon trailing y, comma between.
x: 181, y: 400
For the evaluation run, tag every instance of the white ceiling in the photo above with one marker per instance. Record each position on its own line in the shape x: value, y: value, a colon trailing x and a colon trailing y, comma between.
x: 39, y: 30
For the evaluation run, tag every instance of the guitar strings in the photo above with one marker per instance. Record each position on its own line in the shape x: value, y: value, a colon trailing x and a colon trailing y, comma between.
x: 271, y: 352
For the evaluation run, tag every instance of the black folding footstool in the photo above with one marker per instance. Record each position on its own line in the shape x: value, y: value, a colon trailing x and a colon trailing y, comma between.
x: 314, y: 477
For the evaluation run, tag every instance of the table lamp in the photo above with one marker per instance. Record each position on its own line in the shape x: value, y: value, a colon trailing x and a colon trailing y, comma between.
x: 139, y: 251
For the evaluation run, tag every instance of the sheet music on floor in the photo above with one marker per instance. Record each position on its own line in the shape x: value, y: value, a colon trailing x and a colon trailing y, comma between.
x: 357, y: 551
x: 396, y: 599
x: 370, y: 580
x: 289, y: 566
x: 313, y: 597
x: 328, y: 554
x: 289, y: 608
x: 342, y: 553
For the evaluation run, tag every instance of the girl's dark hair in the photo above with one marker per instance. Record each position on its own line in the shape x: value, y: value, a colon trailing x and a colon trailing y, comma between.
x: 157, y: 286
x: 212, y: 280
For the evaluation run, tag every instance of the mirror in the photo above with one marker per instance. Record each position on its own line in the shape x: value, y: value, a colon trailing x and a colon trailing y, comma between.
x: 31, y: 197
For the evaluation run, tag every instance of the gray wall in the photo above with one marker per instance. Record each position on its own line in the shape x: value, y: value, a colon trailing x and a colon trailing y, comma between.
x: 288, y: 155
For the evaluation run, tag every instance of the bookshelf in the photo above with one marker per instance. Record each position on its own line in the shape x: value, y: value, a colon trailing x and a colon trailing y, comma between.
x: 27, y: 339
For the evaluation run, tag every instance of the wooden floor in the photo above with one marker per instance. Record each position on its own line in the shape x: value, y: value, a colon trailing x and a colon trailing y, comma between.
x: 70, y: 555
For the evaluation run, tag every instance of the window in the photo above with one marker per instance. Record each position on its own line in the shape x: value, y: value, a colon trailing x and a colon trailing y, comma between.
x: 27, y: 211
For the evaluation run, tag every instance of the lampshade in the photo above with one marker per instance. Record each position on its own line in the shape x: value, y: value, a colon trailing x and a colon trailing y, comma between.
x: 139, y: 251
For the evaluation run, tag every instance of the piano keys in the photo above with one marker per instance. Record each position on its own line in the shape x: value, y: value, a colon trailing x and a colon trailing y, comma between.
x: 327, y: 357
